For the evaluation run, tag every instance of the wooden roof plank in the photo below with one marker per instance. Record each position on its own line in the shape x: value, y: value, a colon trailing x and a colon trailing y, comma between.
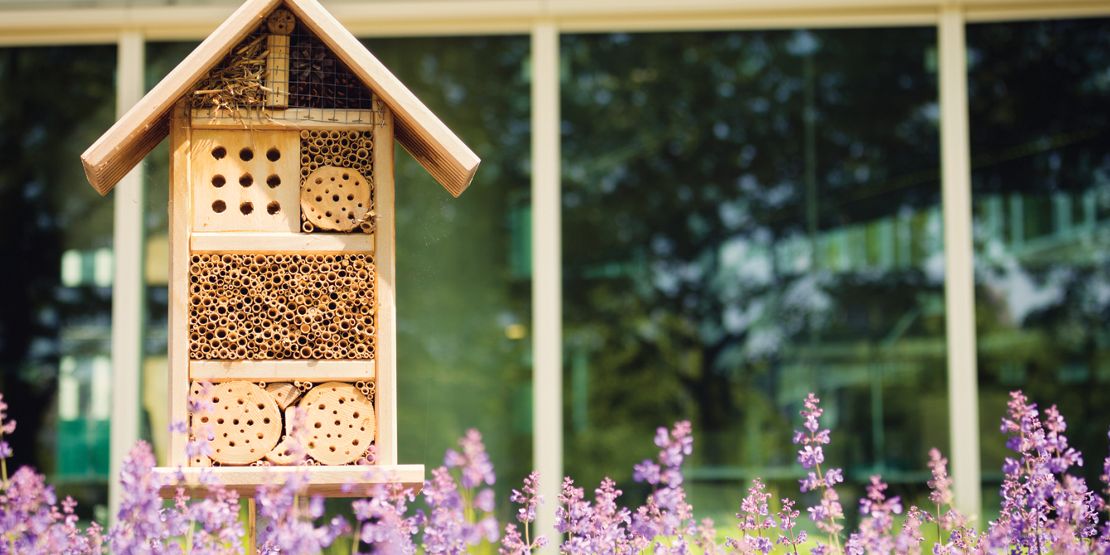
x: 419, y: 131
x: 133, y: 136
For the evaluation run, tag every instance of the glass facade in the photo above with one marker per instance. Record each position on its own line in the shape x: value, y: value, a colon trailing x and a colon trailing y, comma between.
x: 463, y: 294
x: 56, y: 237
x: 1039, y: 100
x: 747, y: 217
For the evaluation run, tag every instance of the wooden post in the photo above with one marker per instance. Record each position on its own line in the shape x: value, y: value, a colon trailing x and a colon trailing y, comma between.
x: 252, y: 532
x: 385, y: 259
x: 281, y: 24
x: 180, y: 178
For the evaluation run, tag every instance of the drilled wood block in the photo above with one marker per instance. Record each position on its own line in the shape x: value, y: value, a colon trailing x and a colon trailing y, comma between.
x: 245, y: 180
x: 340, y: 423
x: 284, y: 393
x: 336, y: 199
x: 241, y: 420
x: 344, y: 150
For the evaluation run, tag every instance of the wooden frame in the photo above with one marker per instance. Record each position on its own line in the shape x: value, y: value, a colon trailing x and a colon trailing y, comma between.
x: 281, y: 370
x: 180, y: 218
x: 264, y: 243
x: 291, y: 118
x: 386, y: 259
x: 329, y: 481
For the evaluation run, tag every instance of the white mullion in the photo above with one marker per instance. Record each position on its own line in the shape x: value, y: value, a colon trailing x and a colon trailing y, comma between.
x: 959, y: 278
x: 547, y: 293
x: 127, y: 284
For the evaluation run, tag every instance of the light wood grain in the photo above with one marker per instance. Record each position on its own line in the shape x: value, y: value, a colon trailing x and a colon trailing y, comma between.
x: 281, y: 370
x: 237, y: 187
x: 339, y: 423
x: 131, y: 138
x: 284, y: 393
x: 292, y: 118
x: 178, y: 338
x: 419, y: 131
x: 262, y: 243
x: 328, y: 481
x: 277, y: 70
x: 336, y: 199
x: 386, y: 260
x: 242, y: 422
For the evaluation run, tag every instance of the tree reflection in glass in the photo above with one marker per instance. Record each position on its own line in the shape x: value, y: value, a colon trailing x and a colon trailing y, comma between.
x: 747, y: 217
x: 1040, y: 144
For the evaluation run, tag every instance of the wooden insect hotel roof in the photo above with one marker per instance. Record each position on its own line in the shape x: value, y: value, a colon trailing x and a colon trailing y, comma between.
x: 418, y: 130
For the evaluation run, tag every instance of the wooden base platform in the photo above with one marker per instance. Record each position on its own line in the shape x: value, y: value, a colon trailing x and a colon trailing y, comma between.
x: 328, y: 481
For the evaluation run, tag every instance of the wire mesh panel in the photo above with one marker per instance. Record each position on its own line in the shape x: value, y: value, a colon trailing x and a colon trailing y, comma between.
x: 286, y: 71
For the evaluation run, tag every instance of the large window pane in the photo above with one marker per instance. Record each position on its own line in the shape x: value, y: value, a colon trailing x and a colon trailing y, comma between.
x: 55, y: 317
x: 1040, y: 147
x: 463, y: 274
x: 750, y: 216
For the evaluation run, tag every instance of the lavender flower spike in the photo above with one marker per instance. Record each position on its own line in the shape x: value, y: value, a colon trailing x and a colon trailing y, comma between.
x: 828, y: 512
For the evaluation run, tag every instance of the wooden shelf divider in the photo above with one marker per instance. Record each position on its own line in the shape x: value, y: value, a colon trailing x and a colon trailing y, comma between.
x: 259, y: 242
x: 328, y: 481
x: 281, y: 370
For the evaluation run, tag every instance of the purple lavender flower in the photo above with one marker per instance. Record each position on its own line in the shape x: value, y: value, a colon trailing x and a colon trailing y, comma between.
x: 599, y: 528
x: 875, y: 527
x: 529, y: 499
x: 472, y: 460
x: 667, y: 513
x: 140, y: 527
x: 828, y: 512
x: 380, y: 520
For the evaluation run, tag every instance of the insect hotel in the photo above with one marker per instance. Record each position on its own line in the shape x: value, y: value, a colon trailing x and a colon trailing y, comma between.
x: 282, y: 261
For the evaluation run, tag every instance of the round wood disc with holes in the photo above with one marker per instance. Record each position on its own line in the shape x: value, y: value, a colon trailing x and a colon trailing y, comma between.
x: 243, y: 420
x: 340, y: 423
x: 336, y: 199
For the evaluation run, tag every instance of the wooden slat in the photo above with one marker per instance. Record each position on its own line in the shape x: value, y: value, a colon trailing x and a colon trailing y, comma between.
x: 144, y: 125
x: 328, y: 481
x: 386, y: 259
x: 422, y: 134
x: 281, y: 370
x: 282, y: 242
x: 292, y: 118
x: 178, y: 340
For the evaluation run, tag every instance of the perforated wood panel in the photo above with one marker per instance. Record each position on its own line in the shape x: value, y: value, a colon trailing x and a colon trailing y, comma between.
x: 337, y: 180
x: 277, y: 306
x: 245, y: 180
x: 244, y: 426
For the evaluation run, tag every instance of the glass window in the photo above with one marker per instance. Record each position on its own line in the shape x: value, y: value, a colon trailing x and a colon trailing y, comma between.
x: 750, y: 216
x: 1040, y: 148
x: 55, y: 333
x: 463, y: 294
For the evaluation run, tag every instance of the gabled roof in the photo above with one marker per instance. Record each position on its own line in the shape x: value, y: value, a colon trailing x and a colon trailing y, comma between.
x: 418, y: 130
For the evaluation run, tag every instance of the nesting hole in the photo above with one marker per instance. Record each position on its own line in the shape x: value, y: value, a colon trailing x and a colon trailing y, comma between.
x: 273, y: 181
x: 273, y: 154
x: 246, y: 180
x: 246, y: 154
x: 219, y: 206
x: 219, y: 152
x: 218, y: 181
x: 273, y: 208
x: 246, y: 208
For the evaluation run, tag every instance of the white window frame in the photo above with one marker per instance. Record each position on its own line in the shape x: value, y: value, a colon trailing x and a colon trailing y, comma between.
x: 545, y: 20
